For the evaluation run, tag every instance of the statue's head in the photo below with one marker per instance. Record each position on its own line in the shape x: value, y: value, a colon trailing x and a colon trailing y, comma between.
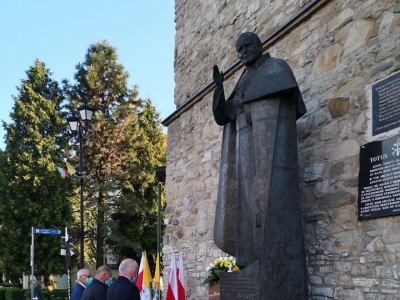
x: 248, y: 48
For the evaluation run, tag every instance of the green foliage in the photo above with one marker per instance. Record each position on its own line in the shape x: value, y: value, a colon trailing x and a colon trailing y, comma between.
x: 55, y: 295
x: 49, y: 295
x: 32, y: 192
x: 28, y: 294
x: 15, y: 294
x: 3, y: 291
x: 133, y: 222
x: 125, y: 146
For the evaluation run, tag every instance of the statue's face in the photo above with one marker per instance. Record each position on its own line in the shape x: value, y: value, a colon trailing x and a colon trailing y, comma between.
x: 248, y: 49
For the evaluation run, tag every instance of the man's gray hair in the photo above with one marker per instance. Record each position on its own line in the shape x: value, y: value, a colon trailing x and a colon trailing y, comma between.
x: 79, y: 273
x: 103, y: 269
x: 127, y: 265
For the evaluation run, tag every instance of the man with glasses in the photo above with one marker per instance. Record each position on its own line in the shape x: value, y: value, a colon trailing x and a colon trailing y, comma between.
x: 97, y: 290
x: 83, y: 278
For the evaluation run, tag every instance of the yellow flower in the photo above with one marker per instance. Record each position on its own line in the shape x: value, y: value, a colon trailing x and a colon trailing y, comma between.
x: 221, y: 264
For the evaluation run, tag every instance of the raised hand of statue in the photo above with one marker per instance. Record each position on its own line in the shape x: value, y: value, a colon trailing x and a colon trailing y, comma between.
x: 218, y: 76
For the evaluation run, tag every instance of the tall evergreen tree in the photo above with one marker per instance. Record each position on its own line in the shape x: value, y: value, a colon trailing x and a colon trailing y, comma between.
x: 32, y: 192
x: 125, y: 145
x: 133, y: 222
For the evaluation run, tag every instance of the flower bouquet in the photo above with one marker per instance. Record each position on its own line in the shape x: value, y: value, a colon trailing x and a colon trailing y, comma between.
x: 222, y: 264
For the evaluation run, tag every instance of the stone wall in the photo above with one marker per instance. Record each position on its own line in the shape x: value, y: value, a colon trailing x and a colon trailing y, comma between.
x: 336, y: 54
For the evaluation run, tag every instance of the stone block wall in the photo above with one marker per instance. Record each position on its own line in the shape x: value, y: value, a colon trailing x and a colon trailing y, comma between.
x: 336, y: 53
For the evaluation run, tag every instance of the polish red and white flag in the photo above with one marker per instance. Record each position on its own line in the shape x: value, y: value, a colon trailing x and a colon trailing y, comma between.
x: 181, y: 280
x: 172, y: 291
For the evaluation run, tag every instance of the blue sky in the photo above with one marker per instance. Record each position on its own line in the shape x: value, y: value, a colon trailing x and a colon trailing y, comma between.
x: 60, y: 32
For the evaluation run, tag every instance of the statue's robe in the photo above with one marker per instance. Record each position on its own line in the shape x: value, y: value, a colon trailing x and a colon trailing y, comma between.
x: 258, y: 212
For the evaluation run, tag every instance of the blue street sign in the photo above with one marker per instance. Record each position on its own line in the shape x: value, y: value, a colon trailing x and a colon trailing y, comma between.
x: 46, y: 231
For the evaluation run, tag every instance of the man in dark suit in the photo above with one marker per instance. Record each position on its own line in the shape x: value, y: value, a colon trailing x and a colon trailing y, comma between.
x: 97, y: 290
x: 37, y: 288
x: 123, y: 288
x: 83, y: 278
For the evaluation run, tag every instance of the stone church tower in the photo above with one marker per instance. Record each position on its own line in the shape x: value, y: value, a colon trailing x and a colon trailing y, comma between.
x: 337, y: 50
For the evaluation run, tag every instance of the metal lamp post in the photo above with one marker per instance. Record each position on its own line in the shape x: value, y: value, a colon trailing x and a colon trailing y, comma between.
x: 160, y: 175
x: 77, y: 127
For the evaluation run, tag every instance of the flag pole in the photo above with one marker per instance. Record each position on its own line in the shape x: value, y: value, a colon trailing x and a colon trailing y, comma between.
x: 156, y: 279
x: 32, y: 260
x: 158, y: 240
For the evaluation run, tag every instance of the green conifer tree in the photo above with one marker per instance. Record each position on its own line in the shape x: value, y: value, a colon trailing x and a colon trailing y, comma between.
x: 32, y: 192
x: 125, y: 145
x: 133, y: 222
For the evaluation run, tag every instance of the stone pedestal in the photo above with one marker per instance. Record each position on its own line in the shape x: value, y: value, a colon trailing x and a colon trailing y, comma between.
x: 214, y: 290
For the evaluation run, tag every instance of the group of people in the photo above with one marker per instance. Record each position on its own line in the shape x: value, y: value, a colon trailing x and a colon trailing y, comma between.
x: 100, y: 287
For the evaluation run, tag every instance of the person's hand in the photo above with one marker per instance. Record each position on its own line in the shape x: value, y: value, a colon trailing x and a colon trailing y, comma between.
x: 218, y: 76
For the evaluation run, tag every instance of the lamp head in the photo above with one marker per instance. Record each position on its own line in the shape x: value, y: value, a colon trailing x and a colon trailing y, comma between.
x: 73, y: 122
x: 160, y: 174
x: 86, y: 111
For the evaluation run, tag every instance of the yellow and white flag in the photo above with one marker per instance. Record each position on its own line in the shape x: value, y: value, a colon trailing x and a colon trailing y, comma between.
x: 144, y: 278
x: 70, y: 169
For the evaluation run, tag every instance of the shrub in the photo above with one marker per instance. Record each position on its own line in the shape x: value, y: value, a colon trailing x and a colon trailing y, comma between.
x: 55, y: 295
x: 3, y: 293
x: 27, y: 294
x: 15, y: 294
x: 20, y: 294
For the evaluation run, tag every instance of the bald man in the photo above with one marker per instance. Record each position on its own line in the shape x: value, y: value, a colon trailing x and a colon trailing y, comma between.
x: 97, y: 290
x: 123, y: 288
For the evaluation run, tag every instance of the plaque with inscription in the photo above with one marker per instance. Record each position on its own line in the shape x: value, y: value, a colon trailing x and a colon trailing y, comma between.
x: 241, y: 285
x: 379, y: 179
x: 386, y: 104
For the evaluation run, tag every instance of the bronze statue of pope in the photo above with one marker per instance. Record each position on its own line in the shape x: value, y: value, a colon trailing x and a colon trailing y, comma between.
x: 258, y: 217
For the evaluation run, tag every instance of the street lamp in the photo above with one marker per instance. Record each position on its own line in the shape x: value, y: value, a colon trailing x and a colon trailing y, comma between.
x: 159, y: 174
x: 77, y: 127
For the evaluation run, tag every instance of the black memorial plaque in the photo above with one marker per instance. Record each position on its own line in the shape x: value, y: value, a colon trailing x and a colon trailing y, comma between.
x: 386, y: 104
x: 241, y: 285
x: 379, y: 179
